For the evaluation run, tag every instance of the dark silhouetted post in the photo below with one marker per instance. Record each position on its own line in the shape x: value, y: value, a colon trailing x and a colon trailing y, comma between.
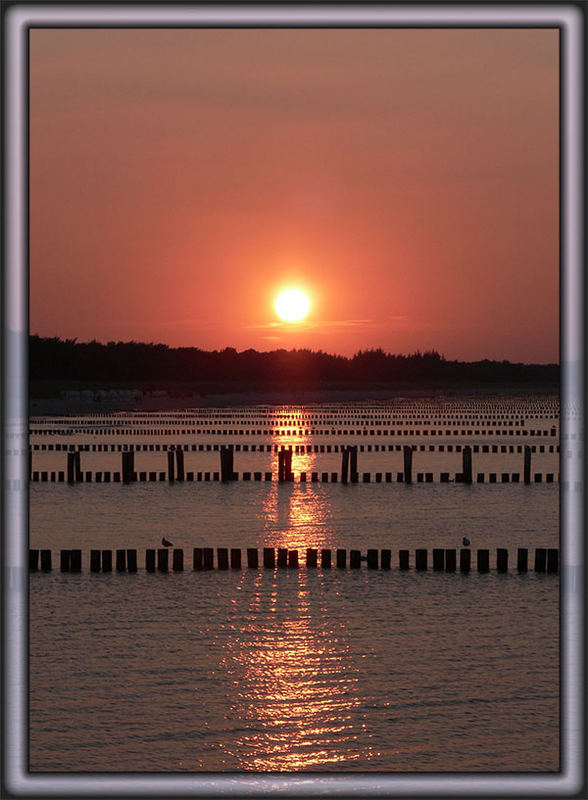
x: 527, y: 464
x: 386, y: 559
x: 450, y: 560
x: 438, y: 559
x: 465, y: 559
x: 293, y: 559
x: 132, y: 560
x: 170, y: 466
x: 208, y: 558
x: 180, y: 463
x: 94, y: 560
x: 407, y: 463
x: 46, y: 560
x: 222, y: 558
x: 121, y: 560
x: 227, y: 462
x: 341, y: 558
x: 502, y: 559
x: 355, y: 559
x: 403, y: 557
x: 466, y: 458
x: 235, y: 558
x: 150, y: 560
x: 372, y: 559
x: 252, y: 558
x: 71, y: 466
x: 78, y: 466
x: 197, y: 559
x: 552, y: 559
x: 177, y: 558
x: 326, y: 559
x: 64, y: 560
x: 107, y: 561
x: 33, y: 560
x: 344, y: 464
x: 354, y: 475
x: 163, y: 558
x: 269, y: 557
x: 540, y: 559
x: 420, y: 559
x: 483, y: 560
x: 522, y: 559
x: 282, y: 557
x: 311, y: 557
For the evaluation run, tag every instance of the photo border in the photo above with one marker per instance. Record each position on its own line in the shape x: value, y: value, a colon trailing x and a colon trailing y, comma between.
x: 570, y: 18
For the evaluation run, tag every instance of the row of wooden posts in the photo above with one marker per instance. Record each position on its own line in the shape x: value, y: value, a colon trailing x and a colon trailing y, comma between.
x: 349, y: 473
x: 443, y: 559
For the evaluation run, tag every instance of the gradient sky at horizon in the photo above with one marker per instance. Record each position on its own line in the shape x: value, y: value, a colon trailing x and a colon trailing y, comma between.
x: 406, y: 179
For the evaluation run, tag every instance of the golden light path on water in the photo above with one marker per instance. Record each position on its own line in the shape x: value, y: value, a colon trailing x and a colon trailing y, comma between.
x: 295, y: 680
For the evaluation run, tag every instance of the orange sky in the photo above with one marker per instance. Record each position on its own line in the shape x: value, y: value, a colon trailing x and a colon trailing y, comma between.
x: 407, y: 179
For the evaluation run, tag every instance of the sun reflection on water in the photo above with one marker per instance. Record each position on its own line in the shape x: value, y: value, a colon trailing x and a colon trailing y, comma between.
x: 296, y: 686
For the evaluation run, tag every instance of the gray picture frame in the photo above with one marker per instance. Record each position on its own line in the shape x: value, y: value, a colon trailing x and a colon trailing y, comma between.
x: 18, y: 18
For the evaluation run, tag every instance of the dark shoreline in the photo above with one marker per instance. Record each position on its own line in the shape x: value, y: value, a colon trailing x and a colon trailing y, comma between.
x: 235, y: 396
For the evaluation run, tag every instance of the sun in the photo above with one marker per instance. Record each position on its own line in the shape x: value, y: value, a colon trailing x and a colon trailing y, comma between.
x: 292, y: 305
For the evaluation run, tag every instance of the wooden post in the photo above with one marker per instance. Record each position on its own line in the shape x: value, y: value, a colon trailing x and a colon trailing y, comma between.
x: 552, y: 559
x: 150, y: 560
x: 282, y: 557
x: 354, y: 475
x: 293, y: 559
x: 132, y: 560
x: 386, y: 559
x: 355, y: 559
x: 64, y: 560
x: 326, y: 559
x: 177, y: 557
x: 121, y: 560
x: 344, y: 464
x: 502, y: 559
x: 540, y: 559
x: 466, y: 460
x: 222, y: 558
x: 420, y: 559
x: 78, y: 466
x: 483, y: 560
x: 311, y: 557
x: 269, y: 557
x: 163, y: 559
x: 372, y: 559
x: 522, y: 559
x: 71, y: 465
x: 438, y: 559
x: 207, y: 558
x: 197, y: 559
x: 170, y: 466
x: 227, y: 463
x: 33, y: 560
x: 252, y: 558
x: 341, y: 559
x: 465, y: 559
x: 107, y: 561
x: 180, y: 463
x: 527, y: 464
x: 403, y: 559
x: 75, y: 563
x: 450, y: 560
x: 94, y: 560
x: 407, y: 450
x: 281, y: 467
x: 46, y: 560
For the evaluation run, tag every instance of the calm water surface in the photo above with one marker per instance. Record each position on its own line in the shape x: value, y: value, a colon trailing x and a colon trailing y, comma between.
x: 294, y: 670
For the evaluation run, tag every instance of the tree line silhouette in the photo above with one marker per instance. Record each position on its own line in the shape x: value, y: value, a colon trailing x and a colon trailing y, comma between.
x: 58, y: 359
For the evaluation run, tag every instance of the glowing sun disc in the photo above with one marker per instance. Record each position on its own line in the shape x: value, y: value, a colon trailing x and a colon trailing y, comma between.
x: 292, y: 305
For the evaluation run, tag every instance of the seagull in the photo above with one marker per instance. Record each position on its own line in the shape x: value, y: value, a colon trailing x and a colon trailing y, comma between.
x: 165, y: 542
x: 465, y: 541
